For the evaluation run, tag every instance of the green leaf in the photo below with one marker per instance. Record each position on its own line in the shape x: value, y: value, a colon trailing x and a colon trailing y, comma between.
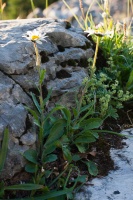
x: 81, y: 148
x: 56, y: 108
x: 48, y: 97
x: 4, y: 149
x: 63, y: 197
x: 31, y: 155
x: 31, y: 167
x: 48, y: 195
x: 36, y: 102
x: 42, y: 75
x: 67, y: 154
x: 50, y: 158
x: 75, y: 112
x: 85, y: 139
x: 130, y: 80
x: 75, y: 127
x: 48, y: 149
x: 92, y: 168
x: 67, y: 114
x: 46, y: 127
x: 91, y: 123
x: 86, y: 107
x: 112, y: 112
x: 25, y: 186
x: 95, y: 134
x: 35, y: 115
x: 81, y: 179
x: 48, y: 173
x: 56, y: 131
x: 76, y: 157
x: 2, y: 188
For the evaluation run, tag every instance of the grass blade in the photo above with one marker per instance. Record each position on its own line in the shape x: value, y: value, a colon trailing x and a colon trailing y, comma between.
x: 3, y: 151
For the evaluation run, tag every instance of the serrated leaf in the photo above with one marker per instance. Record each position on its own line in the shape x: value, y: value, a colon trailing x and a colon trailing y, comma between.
x: 31, y: 155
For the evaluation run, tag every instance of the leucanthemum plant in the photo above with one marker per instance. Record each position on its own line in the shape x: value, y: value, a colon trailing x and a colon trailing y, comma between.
x: 99, y: 31
x: 35, y: 36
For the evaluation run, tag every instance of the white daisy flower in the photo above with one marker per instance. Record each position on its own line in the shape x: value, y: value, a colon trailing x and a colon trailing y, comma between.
x: 99, y: 33
x: 35, y: 36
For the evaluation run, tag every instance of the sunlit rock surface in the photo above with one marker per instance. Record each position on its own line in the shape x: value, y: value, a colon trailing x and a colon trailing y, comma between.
x: 64, y: 56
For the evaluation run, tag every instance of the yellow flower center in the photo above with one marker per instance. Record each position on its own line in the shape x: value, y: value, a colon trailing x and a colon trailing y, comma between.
x: 35, y: 37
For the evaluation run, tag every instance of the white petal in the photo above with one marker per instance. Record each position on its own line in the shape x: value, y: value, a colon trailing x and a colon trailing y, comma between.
x: 38, y: 41
x: 29, y: 33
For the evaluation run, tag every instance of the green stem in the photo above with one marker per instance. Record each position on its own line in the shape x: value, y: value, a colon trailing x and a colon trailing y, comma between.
x: 93, y: 69
x: 38, y: 65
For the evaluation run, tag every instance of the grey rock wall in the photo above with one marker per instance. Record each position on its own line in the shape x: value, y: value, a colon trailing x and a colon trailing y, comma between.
x: 64, y: 56
x: 58, y: 10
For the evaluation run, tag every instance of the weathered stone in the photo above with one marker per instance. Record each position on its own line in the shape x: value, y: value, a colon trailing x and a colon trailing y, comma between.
x: 59, y: 10
x: 29, y: 138
x: 64, y: 56
x: 37, y: 12
x: 15, y: 117
x: 61, y: 86
x: 118, y: 185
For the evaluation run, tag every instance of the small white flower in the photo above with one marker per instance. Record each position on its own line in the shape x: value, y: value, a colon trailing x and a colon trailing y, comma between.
x: 35, y: 36
x: 98, y: 33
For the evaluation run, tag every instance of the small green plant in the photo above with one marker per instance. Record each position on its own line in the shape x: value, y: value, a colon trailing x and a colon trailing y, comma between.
x: 61, y: 130
x: 112, y: 85
x: 115, y: 41
x: 106, y: 94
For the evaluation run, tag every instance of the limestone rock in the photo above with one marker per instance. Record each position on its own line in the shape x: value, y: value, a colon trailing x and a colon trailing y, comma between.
x: 118, y: 185
x: 59, y: 10
x: 64, y: 56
